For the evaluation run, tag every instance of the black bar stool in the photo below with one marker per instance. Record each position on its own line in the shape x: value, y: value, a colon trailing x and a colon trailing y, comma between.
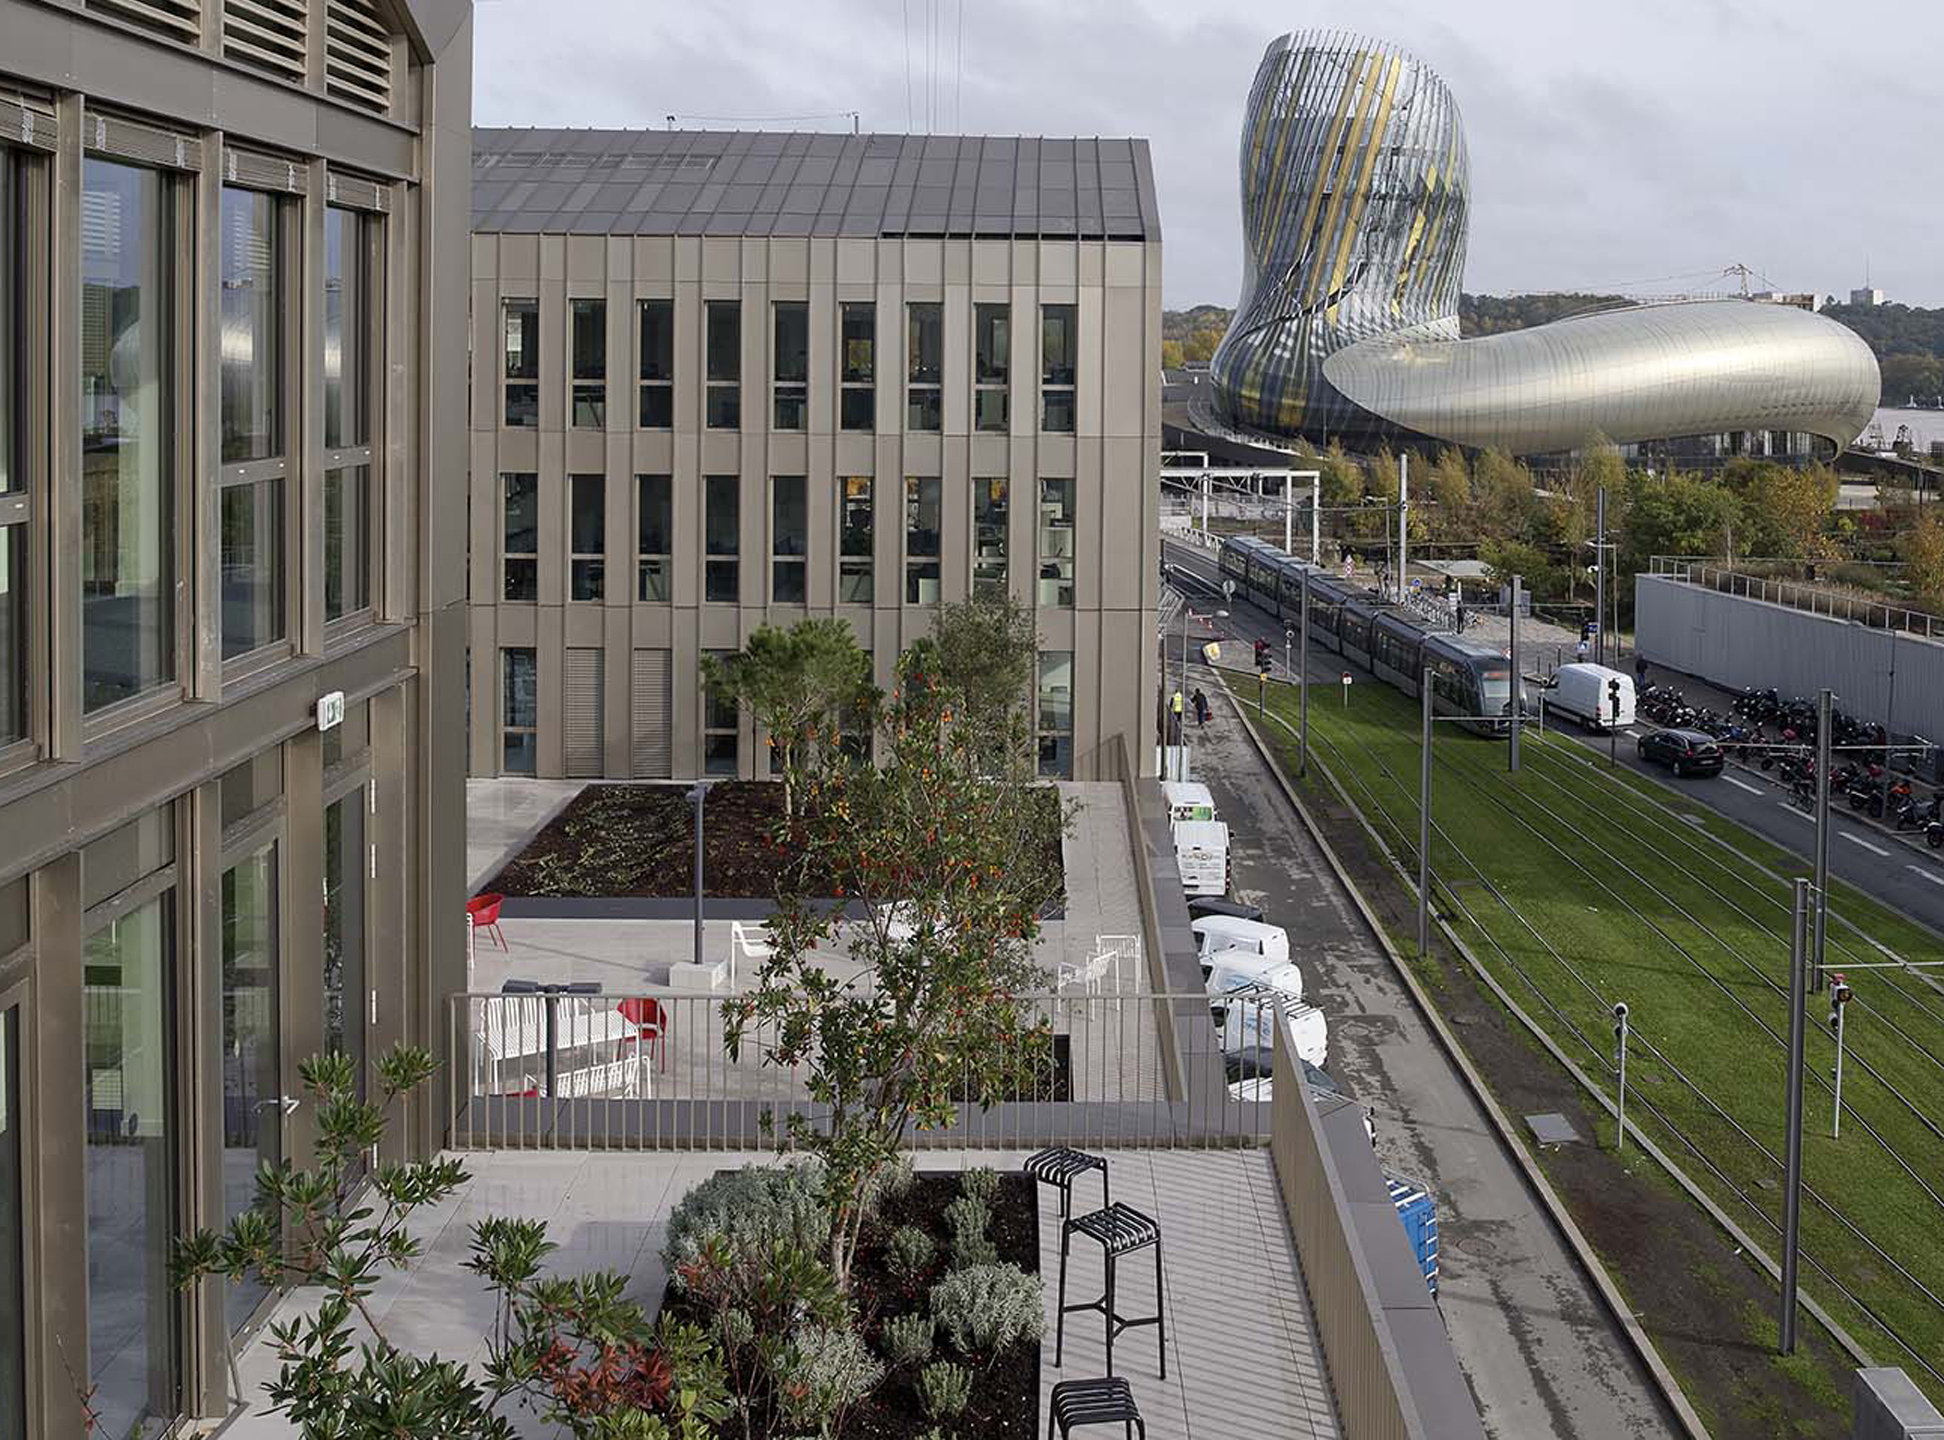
x: 1060, y: 1167
x: 1094, y: 1402
x: 1121, y: 1230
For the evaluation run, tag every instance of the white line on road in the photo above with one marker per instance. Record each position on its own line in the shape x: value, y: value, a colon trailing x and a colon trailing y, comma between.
x: 1859, y: 840
x: 1791, y: 810
x: 1924, y: 872
x: 1743, y: 785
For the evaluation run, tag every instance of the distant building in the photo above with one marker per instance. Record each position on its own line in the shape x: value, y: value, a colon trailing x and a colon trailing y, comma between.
x: 1811, y: 302
x: 1868, y: 296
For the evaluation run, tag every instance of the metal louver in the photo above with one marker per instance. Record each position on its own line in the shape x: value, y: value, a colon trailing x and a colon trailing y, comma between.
x: 357, y: 54
x: 654, y: 716
x: 272, y: 35
x: 581, y: 712
x: 177, y: 19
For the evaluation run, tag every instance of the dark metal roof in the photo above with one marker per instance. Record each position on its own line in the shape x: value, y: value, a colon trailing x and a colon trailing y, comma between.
x: 752, y: 182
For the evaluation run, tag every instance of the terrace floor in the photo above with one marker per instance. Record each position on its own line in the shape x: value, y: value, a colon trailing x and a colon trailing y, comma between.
x: 1243, y: 1356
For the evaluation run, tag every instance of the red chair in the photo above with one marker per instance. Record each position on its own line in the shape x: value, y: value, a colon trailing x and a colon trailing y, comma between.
x: 650, y: 1022
x: 484, y: 910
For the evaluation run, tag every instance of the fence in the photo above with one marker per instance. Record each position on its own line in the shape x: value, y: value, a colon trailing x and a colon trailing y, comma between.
x: 652, y: 1071
x: 1814, y: 599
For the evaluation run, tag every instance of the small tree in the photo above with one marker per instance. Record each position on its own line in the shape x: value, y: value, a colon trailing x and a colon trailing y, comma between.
x: 1922, y: 546
x: 955, y: 844
x: 983, y: 650
x: 791, y: 682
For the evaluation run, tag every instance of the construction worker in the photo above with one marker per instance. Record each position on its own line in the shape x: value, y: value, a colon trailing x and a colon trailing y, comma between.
x: 1175, y: 707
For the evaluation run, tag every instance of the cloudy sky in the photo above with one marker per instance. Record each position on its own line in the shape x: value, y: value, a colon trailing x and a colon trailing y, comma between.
x: 1641, y: 145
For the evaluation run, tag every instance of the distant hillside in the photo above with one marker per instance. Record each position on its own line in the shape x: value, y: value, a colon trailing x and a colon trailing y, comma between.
x: 1909, y: 345
x: 1496, y: 314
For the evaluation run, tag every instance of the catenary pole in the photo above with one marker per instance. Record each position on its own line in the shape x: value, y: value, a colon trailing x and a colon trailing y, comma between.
x: 1316, y: 520
x: 1424, y: 826
x: 1792, y: 1183
x: 1289, y: 512
x: 1599, y: 577
x: 1825, y: 707
x: 1512, y: 729
x: 1403, y: 523
x: 1302, y: 686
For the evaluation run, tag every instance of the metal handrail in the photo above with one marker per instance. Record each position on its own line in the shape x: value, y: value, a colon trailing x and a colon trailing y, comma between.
x: 1813, y: 599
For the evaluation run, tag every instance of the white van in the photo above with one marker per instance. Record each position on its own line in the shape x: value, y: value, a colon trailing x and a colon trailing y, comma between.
x: 1202, y: 856
x: 1187, y: 800
x: 1228, y: 932
x: 1584, y: 692
x: 1249, y: 1023
x: 1226, y: 970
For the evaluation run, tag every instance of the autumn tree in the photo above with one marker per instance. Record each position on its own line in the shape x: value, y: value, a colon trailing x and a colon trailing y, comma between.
x: 1448, y: 480
x: 794, y: 683
x: 1922, y: 548
x: 983, y: 649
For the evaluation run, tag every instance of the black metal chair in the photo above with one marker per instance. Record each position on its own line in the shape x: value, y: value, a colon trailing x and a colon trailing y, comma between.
x: 1094, y: 1402
x: 1121, y: 1230
x: 1061, y: 1166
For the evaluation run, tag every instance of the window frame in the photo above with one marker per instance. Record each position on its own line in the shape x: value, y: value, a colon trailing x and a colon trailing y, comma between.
x: 507, y: 726
x: 721, y: 564
x: 924, y: 385
x: 855, y: 564
x: 857, y: 384
x: 991, y: 368
x: 789, y: 394
x: 508, y: 557
x: 581, y: 561
x: 594, y: 383
x: 714, y: 728
x: 1059, y: 558
x: 784, y: 561
x: 24, y: 376
x: 991, y: 516
x: 1042, y: 732
x: 921, y: 565
x: 660, y: 386
x: 722, y: 371
x: 369, y: 231
x: 1051, y: 387
x: 528, y: 380
x: 655, y: 562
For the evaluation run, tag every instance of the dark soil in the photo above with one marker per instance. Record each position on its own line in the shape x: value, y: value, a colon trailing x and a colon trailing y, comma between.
x: 1708, y: 1310
x: 639, y: 840
x: 1005, y: 1395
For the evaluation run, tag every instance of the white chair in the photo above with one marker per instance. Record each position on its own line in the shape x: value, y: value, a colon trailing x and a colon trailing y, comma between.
x: 1121, y: 947
x: 750, y: 940
x: 1088, y: 974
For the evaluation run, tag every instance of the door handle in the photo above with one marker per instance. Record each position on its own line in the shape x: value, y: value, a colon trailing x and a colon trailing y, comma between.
x: 286, y: 1103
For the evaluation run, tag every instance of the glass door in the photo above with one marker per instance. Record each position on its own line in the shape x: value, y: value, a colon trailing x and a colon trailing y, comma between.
x: 344, y: 928
x: 254, y: 1109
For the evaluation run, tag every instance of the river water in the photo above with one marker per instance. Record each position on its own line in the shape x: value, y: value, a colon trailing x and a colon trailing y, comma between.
x: 1925, y: 425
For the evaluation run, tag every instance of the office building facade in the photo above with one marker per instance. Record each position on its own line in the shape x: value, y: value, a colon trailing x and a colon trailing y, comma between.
x: 728, y: 379
x: 232, y: 351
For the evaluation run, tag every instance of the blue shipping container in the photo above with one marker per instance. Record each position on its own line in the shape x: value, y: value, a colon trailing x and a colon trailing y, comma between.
x: 1420, y: 1216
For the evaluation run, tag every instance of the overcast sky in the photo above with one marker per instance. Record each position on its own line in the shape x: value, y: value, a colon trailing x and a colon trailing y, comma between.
x: 1613, y: 145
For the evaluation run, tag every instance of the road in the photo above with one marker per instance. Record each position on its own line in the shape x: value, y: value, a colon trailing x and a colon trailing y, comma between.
x: 1540, y: 1352
x: 1907, y: 879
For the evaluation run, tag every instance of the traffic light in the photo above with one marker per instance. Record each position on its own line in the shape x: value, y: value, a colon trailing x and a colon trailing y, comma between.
x: 1262, y: 656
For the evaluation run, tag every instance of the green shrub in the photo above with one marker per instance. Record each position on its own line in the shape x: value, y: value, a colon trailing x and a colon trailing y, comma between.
x: 750, y: 1210
x: 823, y: 1372
x: 983, y: 1309
x: 968, y: 1217
x: 968, y: 1250
x: 910, y: 1253
x: 943, y: 1389
x: 907, y: 1339
x: 981, y: 1183
x: 893, y: 1182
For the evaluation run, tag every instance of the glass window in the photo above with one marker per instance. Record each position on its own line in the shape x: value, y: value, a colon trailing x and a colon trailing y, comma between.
x: 792, y: 361
x: 657, y: 364
x: 128, y: 1082
x: 587, y: 535
x: 588, y: 319
x: 858, y: 327
x: 345, y: 872
x: 1057, y: 348
x: 921, y: 539
x: 522, y: 325
x: 991, y: 361
x: 253, y: 591
x: 252, y: 377
x: 13, y: 1238
x: 721, y: 748
x: 1056, y: 544
x: 247, y: 788
x: 521, y: 552
x: 347, y: 540
x: 347, y: 330
x: 654, y: 496
x: 721, y: 538
x: 13, y: 475
x: 789, y: 540
x: 723, y: 319
x: 855, y: 538
x: 520, y: 694
x: 127, y: 434
x: 1055, y: 714
x: 924, y: 355
x: 252, y: 1081
x: 989, y: 506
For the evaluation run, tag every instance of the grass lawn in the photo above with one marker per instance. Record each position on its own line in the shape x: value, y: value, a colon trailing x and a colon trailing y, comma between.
x: 1578, y: 887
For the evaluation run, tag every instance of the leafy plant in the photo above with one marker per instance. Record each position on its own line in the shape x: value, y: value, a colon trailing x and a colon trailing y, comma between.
x: 984, y: 1309
x: 792, y: 682
x: 752, y: 1209
x: 968, y: 1217
x: 970, y: 1249
x: 822, y: 1373
x: 943, y: 1389
x: 981, y: 1182
x: 909, y: 1254
x: 906, y: 1339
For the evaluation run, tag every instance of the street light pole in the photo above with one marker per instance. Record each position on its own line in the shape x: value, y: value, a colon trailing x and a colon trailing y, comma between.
x: 1825, y: 708
x: 1620, y: 1038
x: 1302, y: 688
x: 1289, y: 512
x: 1403, y: 522
x: 1599, y: 576
x: 1516, y: 707
x: 1839, y: 995
x: 697, y: 797
x: 1792, y: 1183
x: 1424, y: 826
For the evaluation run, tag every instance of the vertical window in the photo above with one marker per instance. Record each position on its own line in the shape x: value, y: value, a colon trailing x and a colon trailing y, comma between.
x: 657, y: 364
x: 520, y: 562
x: 989, y: 506
x: 587, y: 537
x: 520, y: 715
x: 1057, y: 347
x: 345, y: 873
x: 588, y: 344
x: 858, y: 333
x: 521, y: 319
x: 921, y: 539
x: 14, y: 499
x: 723, y: 324
x: 13, y: 1239
x: 252, y: 1081
x: 654, y: 496
x: 924, y: 354
x: 127, y: 434
x: 991, y: 365
x: 721, y: 538
x: 721, y: 750
x: 1055, y: 714
x: 348, y: 310
x: 1056, y: 544
x: 792, y: 363
x: 855, y: 539
x: 789, y: 540
x: 252, y: 504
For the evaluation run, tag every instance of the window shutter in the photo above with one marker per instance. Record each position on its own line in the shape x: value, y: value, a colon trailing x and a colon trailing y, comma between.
x: 654, y: 714
x: 177, y: 19
x: 256, y: 171
x: 271, y: 35
x: 355, y: 192
x: 581, y: 712
x: 357, y: 54
x: 139, y: 141
x: 26, y: 120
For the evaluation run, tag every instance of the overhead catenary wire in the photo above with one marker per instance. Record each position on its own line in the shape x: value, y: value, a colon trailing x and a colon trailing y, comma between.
x: 907, y: 62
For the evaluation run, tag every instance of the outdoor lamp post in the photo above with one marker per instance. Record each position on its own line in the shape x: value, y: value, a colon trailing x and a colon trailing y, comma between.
x: 698, y: 794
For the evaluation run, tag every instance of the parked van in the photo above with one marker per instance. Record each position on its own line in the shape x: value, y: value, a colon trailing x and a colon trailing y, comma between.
x: 1584, y: 693
x: 1249, y: 1022
x: 1187, y: 800
x: 1224, y: 932
x: 1202, y: 856
x: 1226, y: 970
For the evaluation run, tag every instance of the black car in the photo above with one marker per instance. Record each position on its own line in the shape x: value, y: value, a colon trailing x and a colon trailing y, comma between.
x: 1203, y: 906
x: 1685, y: 752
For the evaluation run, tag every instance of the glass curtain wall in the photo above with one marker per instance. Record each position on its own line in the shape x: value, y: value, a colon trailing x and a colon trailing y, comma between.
x: 252, y: 510
x: 128, y: 434
x: 252, y: 1080
x: 347, y: 420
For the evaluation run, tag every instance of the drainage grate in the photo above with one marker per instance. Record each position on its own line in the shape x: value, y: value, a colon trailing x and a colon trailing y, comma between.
x: 1553, y: 1130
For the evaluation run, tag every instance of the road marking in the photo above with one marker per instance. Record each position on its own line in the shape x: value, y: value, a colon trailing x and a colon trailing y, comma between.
x: 1924, y: 872
x: 1789, y: 809
x: 1633, y: 734
x: 1743, y: 785
x: 1859, y: 840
